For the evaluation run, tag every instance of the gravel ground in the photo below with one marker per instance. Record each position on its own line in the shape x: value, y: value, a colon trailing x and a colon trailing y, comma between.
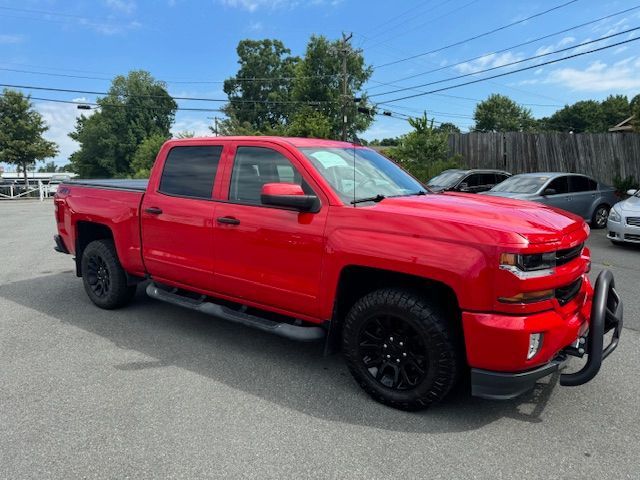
x: 156, y: 391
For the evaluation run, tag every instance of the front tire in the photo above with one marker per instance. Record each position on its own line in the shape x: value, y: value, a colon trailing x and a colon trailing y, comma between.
x: 104, y: 279
x: 599, y: 217
x: 401, y: 349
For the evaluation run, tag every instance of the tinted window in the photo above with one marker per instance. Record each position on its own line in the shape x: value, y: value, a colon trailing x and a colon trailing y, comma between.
x: 560, y: 185
x: 582, y: 184
x: 501, y: 177
x: 473, y: 180
x: 446, y: 179
x: 190, y: 171
x: 255, y: 166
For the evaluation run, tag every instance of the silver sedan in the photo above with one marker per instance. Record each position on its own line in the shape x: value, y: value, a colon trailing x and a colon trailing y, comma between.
x: 623, y: 223
x: 575, y: 193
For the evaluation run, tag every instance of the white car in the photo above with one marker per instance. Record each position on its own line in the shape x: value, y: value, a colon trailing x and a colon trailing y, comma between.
x: 623, y: 223
x: 57, y: 180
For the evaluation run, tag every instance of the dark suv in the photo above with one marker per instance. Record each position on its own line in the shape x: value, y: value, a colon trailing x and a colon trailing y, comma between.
x: 469, y: 181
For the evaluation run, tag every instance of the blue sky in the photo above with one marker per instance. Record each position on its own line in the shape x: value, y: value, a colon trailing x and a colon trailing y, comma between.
x: 194, y: 41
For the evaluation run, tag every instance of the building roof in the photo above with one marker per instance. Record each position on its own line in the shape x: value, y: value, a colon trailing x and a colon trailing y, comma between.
x: 623, y: 126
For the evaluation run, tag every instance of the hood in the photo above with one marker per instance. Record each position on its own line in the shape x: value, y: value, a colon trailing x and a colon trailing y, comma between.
x: 536, y: 222
x: 630, y: 205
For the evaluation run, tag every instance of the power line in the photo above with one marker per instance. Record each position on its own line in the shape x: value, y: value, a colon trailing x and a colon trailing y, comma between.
x: 119, y: 105
x: 516, y: 62
x: 475, y: 37
x: 529, y: 42
x: 511, y: 72
x: 199, y: 99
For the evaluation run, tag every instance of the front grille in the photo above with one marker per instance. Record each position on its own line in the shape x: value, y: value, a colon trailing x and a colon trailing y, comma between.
x: 633, y: 238
x: 635, y: 221
x: 566, y: 294
x: 568, y: 254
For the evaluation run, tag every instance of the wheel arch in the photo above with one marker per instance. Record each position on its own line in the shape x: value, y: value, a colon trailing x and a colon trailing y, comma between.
x: 355, y: 281
x: 87, y: 232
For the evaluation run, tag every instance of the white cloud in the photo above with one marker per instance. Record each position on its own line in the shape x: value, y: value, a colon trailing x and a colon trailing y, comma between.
x: 113, y: 28
x: 255, y: 27
x: 7, y: 38
x: 489, y: 61
x: 599, y: 77
x: 123, y: 6
x: 61, y: 119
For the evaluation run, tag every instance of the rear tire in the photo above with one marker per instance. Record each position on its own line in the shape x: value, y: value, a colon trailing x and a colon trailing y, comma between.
x: 104, y: 279
x: 599, y: 217
x: 401, y: 349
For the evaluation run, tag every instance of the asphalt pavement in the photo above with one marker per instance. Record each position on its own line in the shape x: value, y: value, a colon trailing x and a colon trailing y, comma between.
x: 155, y: 391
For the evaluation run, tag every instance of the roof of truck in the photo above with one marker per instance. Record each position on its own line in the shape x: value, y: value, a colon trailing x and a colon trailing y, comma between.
x: 295, y: 141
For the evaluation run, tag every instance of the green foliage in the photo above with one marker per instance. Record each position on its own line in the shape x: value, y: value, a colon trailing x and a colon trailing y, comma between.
x: 309, y: 123
x: 589, y: 116
x: 145, y: 155
x: 423, y: 152
x: 266, y: 69
x: 623, y: 184
x: 318, y: 79
x: 48, y: 167
x: 499, y: 113
x: 136, y: 107
x: 385, y: 142
x: 185, y: 134
x: 21, y: 129
x: 448, y: 127
x: 291, y: 95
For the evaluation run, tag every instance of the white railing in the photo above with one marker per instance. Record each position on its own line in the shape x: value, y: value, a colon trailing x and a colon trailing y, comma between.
x: 17, y: 192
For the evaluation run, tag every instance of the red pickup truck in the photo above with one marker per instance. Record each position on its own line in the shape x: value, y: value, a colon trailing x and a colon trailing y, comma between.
x: 324, y: 240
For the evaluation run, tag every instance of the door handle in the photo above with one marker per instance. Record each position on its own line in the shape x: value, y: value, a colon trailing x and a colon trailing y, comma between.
x: 228, y: 220
x: 153, y: 210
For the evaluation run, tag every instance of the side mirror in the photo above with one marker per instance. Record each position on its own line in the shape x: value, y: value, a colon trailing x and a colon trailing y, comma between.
x: 463, y: 187
x: 549, y: 191
x: 631, y: 192
x: 288, y: 195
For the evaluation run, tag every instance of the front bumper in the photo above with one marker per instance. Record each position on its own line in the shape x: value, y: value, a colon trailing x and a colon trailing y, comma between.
x: 623, y: 232
x: 606, y: 315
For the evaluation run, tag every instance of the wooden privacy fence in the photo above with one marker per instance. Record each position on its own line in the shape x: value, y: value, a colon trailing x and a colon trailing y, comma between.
x: 600, y: 155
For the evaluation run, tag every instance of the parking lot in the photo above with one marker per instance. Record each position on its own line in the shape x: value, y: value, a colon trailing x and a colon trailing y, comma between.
x: 156, y: 391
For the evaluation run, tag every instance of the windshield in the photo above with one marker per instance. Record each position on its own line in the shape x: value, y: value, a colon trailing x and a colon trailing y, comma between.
x: 447, y: 178
x: 521, y: 184
x: 374, y: 175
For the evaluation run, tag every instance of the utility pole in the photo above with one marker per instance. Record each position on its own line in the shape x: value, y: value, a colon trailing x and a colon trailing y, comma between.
x: 215, y: 125
x: 346, y: 101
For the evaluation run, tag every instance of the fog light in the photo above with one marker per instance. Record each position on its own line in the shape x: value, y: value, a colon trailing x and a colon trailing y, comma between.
x: 535, y: 342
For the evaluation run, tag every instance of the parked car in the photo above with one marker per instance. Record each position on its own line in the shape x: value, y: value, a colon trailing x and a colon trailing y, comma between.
x: 320, y: 240
x: 624, y: 220
x: 470, y: 181
x: 575, y: 193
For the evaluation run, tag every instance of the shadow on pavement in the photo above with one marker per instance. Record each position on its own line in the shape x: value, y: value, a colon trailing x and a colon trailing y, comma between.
x: 292, y: 375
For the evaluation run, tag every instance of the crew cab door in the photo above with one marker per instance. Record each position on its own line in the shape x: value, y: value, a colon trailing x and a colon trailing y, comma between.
x: 177, y: 215
x: 266, y: 254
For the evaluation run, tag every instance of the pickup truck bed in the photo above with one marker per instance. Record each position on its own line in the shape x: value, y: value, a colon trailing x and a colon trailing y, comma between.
x: 124, y: 184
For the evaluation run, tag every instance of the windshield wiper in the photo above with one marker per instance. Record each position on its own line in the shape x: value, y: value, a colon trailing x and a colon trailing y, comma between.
x: 377, y: 198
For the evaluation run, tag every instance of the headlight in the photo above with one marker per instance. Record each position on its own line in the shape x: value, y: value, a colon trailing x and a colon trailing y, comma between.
x: 529, y: 265
x: 614, y: 216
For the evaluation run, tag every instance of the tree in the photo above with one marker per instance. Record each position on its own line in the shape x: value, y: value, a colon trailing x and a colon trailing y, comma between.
x: 185, y: 134
x: 448, y: 127
x: 583, y: 116
x: 260, y: 91
x: 48, y: 167
x: 145, y: 155
x: 318, y: 83
x: 499, y: 113
x: 136, y: 107
x: 424, y: 152
x: 21, y: 129
x: 308, y: 122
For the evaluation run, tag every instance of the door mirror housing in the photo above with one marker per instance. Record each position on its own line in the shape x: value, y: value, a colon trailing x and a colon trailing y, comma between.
x: 288, y: 195
x: 463, y: 187
x: 631, y: 192
x: 549, y: 191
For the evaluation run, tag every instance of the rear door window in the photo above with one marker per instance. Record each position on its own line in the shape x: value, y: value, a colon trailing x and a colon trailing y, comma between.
x: 190, y: 171
x: 578, y: 183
